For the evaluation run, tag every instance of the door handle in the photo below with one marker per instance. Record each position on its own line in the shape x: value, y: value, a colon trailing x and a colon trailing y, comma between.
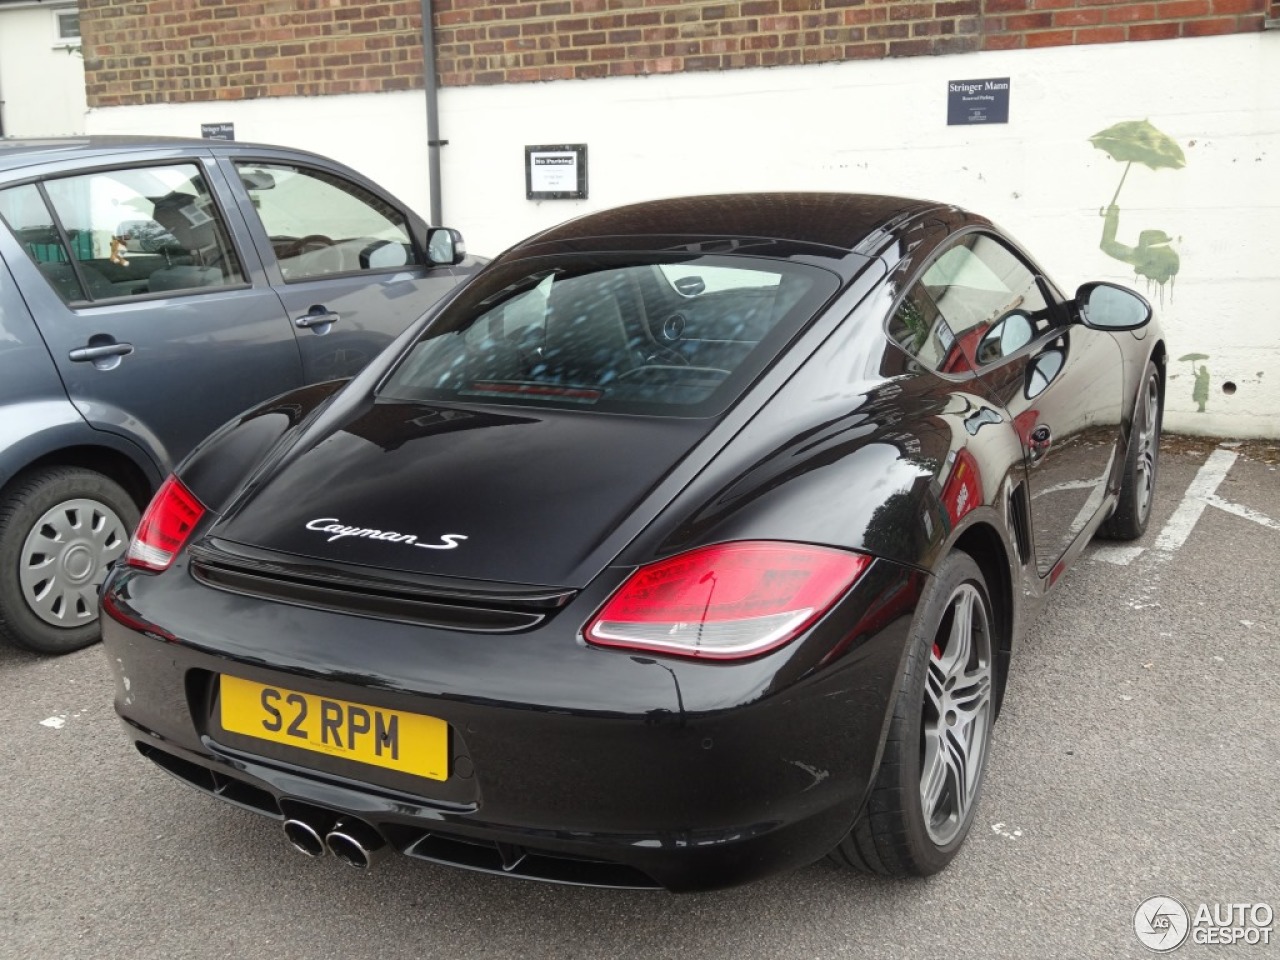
x: 1039, y: 442
x: 317, y: 316
x: 100, y: 352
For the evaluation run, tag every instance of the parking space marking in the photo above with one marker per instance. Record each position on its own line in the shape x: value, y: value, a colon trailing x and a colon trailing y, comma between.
x: 1120, y: 556
x: 1203, y: 485
x: 1201, y: 492
x: 1247, y: 513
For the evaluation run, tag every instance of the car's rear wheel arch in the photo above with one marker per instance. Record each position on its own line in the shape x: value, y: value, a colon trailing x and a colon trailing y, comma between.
x: 112, y: 464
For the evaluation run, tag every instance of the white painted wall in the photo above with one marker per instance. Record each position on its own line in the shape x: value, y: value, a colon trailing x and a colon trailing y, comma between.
x: 41, y: 81
x: 880, y: 126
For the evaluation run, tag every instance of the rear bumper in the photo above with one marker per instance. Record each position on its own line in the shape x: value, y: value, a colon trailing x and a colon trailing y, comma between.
x: 603, y: 770
x: 680, y: 861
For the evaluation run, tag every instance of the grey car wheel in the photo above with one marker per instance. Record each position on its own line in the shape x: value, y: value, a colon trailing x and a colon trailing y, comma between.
x: 65, y: 558
x: 60, y: 529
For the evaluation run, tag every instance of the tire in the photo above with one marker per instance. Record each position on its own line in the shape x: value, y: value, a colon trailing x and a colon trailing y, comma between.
x: 1141, y: 466
x: 922, y: 802
x: 60, y: 527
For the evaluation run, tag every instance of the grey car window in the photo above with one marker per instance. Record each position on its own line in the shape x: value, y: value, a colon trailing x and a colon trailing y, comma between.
x: 24, y: 211
x: 322, y: 225
x: 139, y: 231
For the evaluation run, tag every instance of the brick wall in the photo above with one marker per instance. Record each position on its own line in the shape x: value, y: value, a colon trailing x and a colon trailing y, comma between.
x: 185, y: 50
x: 489, y: 41
x: 178, y: 50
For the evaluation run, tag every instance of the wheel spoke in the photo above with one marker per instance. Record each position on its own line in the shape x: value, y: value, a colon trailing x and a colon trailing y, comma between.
x: 961, y: 768
x: 87, y: 608
x: 960, y: 642
x: 971, y: 698
x: 111, y: 540
x: 934, y: 686
x: 934, y: 774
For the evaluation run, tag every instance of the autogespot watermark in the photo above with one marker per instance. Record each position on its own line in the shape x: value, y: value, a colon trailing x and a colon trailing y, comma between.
x: 1163, y: 923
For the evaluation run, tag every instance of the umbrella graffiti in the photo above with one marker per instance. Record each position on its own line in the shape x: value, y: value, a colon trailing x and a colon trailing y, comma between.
x: 1130, y: 142
x: 1200, y: 387
x: 1137, y: 141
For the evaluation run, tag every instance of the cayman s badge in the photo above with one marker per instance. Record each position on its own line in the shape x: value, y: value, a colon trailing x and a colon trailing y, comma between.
x: 337, y: 530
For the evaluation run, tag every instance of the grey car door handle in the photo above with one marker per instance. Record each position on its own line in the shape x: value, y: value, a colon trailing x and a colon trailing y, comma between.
x: 100, y: 352
x: 316, y: 317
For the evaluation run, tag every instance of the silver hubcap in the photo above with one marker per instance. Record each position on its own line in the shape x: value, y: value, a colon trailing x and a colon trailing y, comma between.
x: 957, y: 715
x: 65, y: 558
x: 1148, y: 445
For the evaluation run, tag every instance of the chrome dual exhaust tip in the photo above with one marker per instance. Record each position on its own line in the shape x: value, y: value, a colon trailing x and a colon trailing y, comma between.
x: 352, y: 841
x: 355, y: 843
x: 304, y: 838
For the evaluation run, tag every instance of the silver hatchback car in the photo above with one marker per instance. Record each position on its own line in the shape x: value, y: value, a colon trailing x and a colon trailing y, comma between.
x: 151, y: 289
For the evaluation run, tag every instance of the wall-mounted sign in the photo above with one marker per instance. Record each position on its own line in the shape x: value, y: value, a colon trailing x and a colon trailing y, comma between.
x: 978, y: 101
x: 218, y: 131
x: 556, y: 172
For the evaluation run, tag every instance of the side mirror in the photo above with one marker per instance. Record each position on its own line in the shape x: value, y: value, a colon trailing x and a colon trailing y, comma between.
x: 1108, y: 306
x: 1007, y: 336
x: 385, y: 255
x: 445, y: 247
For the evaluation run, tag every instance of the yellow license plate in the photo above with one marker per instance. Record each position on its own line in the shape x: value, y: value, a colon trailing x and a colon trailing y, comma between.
x: 406, y: 742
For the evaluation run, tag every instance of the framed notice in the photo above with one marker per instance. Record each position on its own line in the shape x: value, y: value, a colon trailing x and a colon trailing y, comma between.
x: 556, y: 172
x: 978, y: 101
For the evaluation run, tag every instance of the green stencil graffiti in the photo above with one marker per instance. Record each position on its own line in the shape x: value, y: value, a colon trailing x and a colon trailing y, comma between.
x: 1130, y: 142
x: 1200, y: 391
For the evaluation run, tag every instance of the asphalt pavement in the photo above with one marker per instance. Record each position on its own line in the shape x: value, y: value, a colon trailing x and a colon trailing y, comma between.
x: 1138, y: 754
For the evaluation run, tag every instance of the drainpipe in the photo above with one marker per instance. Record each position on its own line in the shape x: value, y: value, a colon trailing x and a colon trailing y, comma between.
x: 434, y: 143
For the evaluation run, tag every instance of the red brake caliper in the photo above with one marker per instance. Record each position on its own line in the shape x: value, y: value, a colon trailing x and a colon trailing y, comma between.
x: 937, y: 652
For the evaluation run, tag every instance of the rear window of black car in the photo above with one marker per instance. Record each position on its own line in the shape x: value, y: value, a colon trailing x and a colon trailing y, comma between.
x: 674, y: 335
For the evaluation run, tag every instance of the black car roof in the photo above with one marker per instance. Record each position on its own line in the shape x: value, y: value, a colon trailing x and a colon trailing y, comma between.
x: 834, y: 220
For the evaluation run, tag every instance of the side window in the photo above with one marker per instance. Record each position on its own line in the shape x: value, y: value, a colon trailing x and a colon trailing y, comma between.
x: 921, y: 330
x: 24, y: 210
x: 989, y: 299
x: 321, y: 225
x: 131, y: 232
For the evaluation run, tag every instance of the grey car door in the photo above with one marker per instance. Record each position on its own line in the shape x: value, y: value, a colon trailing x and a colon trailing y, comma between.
x: 345, y: 259
x: 162, y: 327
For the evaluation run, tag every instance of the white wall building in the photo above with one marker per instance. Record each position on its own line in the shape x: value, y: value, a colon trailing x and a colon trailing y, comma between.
x: 880, y: 126
x: 41, y: 72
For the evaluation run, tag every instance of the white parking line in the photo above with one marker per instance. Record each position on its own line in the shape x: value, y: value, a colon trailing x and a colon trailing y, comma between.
x: 1247, y: 512
x: 1200, y: 493
x: 1120, y: 556
x: 1179, y: 526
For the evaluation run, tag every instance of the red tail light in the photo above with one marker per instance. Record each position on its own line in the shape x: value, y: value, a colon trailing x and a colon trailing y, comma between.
x: 727, y: 601
x: 165, y: 527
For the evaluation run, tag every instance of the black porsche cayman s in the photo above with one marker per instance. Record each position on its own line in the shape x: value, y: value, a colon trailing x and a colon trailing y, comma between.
x: 689, y: 542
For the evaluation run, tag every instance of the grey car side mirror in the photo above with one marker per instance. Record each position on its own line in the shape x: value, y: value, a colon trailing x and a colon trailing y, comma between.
x: 445, y: 247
